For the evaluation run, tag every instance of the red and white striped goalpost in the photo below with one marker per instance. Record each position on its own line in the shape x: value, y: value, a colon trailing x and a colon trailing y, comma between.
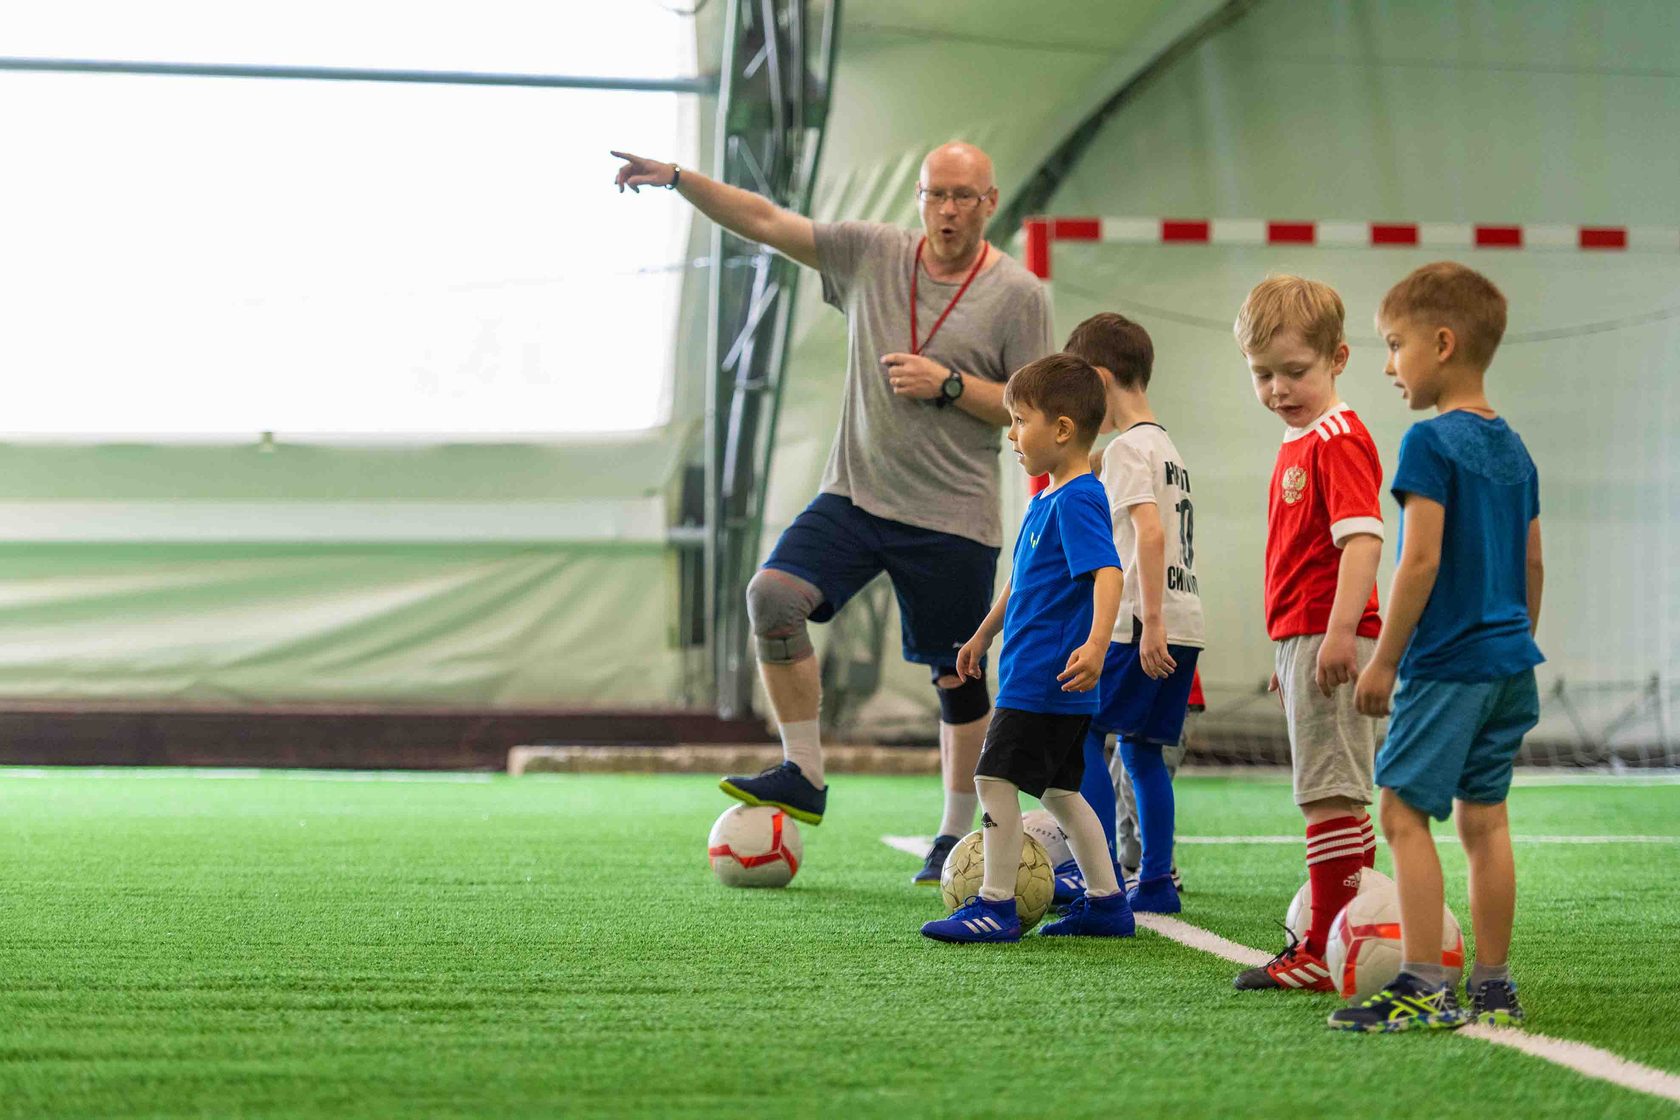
x: 1043, y: 232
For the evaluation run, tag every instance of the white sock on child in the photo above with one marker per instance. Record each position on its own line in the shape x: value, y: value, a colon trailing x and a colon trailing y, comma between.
x: 1085, y: 837
x: 802, y: 746
x: 1003, y: 837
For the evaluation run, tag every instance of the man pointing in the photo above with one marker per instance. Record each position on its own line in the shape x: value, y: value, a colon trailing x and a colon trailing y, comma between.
x: 936, y: 320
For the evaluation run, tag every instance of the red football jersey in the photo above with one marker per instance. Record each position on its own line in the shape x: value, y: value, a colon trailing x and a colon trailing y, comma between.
x: 1326, y: 487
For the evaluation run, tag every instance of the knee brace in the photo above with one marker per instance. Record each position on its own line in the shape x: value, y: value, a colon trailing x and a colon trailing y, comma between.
x: 961, y: 703
x: 778, y: 605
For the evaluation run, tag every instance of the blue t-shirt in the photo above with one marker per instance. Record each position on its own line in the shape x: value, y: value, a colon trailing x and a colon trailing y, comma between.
x: 1065, y: 537
x: 1475, y: 625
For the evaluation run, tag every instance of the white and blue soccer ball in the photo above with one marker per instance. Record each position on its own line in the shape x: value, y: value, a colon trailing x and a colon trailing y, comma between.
x: 1042, y: 826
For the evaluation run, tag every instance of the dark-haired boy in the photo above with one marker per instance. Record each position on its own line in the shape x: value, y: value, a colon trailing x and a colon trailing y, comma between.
x: 1056, y: 613
x: 1158, y: 635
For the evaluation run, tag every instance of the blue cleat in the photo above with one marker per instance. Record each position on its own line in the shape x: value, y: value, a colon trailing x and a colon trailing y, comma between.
x: 784, y: 787
x: 977, y: 920
x: 1094, y: 917
x: 1070, y: 883
x: 1154, y: 896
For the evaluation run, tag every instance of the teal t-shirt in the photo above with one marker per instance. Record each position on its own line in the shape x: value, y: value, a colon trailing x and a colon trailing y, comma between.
x: 1475, y: 625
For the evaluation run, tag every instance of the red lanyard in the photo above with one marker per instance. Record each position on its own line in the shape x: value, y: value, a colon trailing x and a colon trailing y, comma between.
x: 915, y: 272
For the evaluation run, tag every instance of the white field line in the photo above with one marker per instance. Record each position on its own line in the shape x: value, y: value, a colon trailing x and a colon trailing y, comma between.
x: 1586, y: 1060
x: 1583, y: 1059
x: 237, y: 774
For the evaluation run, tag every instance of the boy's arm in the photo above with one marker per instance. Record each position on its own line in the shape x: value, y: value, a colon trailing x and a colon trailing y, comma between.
x: 1414, y: 579
x: 968, y: 657
x: 1085, y: 664
x: 1536, y: 576
x: 1152, y: 574
x: 1338, y: 657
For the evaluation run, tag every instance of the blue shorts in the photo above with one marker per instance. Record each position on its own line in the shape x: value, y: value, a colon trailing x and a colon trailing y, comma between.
x: 1450, y: 739
x: 943, y: 581
x: 1138, y: 707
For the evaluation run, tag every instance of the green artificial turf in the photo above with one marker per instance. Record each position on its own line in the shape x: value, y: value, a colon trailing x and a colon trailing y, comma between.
x: 297, y: 945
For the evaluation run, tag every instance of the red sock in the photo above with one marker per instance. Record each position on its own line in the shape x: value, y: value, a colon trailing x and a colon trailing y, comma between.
x: 1367, y: 834
x: 1335, y: 851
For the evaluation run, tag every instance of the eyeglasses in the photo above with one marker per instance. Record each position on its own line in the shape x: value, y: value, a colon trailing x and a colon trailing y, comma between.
x: 965, y: 199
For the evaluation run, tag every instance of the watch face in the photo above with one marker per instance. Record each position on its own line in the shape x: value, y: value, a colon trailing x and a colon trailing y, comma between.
x: 952, y: 386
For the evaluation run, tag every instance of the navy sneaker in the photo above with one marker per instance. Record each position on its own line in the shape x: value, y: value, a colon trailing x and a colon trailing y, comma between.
x: 1154, y: 896
x: 977, y: 920
x: 1094, y: 917
x: 1406, y: 1004
x: 784, y: 787
x: 934, y: 866
x: 1494, y: 1002
x: 1129, y: 878
x: 1070, y: 883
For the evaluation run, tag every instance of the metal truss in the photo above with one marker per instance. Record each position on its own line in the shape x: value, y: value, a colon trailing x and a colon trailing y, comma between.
x: 778, y: 69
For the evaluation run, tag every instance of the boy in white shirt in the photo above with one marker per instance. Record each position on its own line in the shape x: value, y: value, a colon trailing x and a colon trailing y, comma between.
x: 1158, y: 634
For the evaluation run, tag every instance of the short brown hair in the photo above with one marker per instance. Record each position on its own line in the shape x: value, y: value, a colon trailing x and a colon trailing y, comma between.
x: 1061, y: 385
x: 1447, y: 293
x: 1116, y: 344
x: 1278, y: 302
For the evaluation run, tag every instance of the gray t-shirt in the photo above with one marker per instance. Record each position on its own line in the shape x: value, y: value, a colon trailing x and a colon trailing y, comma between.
x: 910, y: 460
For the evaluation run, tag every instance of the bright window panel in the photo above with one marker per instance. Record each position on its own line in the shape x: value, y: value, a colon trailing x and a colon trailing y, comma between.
x: 195, y: 257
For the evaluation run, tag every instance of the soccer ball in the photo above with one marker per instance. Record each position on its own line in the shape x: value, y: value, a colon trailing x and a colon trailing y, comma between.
x: 1041, y: 825
x: 1299, y: 917
x: 1035, y: 881
x: 1364, y: 952
x: 755, y: 846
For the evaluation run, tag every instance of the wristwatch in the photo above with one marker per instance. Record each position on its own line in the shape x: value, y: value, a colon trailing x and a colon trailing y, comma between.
x: 950, y: 389
x: 676, y: 177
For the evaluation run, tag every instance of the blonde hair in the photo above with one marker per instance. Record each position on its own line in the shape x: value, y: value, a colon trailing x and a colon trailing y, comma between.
x: 1448, y: 294
x: 1278, y: 302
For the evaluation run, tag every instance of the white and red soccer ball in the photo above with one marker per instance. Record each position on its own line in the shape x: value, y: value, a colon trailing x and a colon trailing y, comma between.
x: 1364, y: 949
x: 755, y: 846
x: 1299, y: 917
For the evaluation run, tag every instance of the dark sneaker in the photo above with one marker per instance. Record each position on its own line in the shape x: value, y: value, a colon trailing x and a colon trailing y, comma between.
x: 1094, y: 917
x: 1406, y: 1004
x: 784, y: 787
x: 934, y: 865
x: 1494, y: 1002
x: 1294, y: 969
x: 1154, y: 896
x: 1129, y: 878
x: 1070, y: 883
x: 977, y: 920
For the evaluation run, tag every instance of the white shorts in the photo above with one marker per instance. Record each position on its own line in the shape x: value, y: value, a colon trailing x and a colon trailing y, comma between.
x: 1332, y: 748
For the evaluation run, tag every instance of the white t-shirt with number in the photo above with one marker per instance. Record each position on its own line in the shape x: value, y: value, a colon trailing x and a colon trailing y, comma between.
x: 1142, y: 465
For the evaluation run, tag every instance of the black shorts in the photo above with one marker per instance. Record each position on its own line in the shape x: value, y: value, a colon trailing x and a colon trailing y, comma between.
x: 943, y: 581
x: 1035, y: 750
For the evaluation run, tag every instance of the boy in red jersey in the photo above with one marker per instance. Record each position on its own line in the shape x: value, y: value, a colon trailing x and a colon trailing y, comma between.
x: 1323, y: 539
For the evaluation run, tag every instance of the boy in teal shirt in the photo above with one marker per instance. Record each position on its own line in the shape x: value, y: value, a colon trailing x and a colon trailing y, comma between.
x: 1460, y: 637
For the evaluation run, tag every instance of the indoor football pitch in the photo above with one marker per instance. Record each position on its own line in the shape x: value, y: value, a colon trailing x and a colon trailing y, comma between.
x: 298, y: 944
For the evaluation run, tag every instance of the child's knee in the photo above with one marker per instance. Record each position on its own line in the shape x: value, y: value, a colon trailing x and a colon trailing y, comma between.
x: 1400, y: 819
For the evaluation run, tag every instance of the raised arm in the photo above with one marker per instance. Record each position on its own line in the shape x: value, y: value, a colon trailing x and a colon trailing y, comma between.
x: 742, y: 213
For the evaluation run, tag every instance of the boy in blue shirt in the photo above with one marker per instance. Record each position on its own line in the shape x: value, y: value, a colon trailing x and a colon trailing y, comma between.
x: 1460, y: 636
x: 1056, y: 613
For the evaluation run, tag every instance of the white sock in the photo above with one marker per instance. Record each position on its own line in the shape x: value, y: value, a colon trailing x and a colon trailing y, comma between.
x: 1085, y: 837
x: 1003, y: 837
x: 802, y: 746
x: 959, y: 813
